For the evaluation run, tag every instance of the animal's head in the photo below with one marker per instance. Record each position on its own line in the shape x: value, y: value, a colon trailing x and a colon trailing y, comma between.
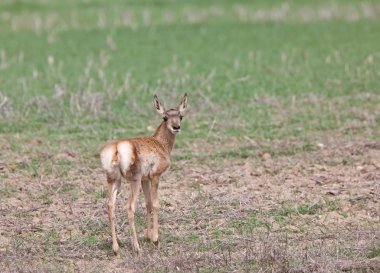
x: 173, y: 116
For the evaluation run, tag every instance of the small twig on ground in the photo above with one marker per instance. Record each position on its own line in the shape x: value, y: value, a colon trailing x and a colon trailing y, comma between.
x: 212, y: 127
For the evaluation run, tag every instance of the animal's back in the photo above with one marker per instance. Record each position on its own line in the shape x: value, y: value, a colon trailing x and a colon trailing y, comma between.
x: 139, y: 155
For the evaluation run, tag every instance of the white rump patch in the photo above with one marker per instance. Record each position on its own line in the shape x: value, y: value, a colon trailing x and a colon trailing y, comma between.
x: 107, y: 157
x: 125, y: 150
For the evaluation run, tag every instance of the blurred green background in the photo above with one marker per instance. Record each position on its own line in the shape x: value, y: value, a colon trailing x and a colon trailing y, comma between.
x: 87, y: 70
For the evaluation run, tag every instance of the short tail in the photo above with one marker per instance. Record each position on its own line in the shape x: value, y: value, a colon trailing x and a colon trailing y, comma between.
x: 118, y: 155
x: 109, y: 157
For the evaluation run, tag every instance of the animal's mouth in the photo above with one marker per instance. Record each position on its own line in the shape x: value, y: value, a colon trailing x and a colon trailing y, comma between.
x: 176, y: 129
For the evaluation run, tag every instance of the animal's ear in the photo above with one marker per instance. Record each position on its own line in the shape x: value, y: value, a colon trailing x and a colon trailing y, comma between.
x: 183, y: 105
x: 160, y: 109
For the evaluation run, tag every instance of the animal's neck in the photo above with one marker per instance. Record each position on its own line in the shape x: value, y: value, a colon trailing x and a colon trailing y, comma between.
x: 165, y: 137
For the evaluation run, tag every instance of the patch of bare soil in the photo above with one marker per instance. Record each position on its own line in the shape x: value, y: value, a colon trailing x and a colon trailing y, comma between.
x: 314, y: 211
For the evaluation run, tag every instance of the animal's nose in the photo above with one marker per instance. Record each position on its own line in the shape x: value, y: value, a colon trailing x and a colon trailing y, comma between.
x: 176, y: 127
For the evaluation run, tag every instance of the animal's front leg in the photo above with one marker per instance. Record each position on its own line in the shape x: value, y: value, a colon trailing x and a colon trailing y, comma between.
x: 148, y: 204
x: 156, y: 206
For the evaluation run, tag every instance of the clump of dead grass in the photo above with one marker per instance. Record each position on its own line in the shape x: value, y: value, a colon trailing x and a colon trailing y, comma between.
x: 6, y: 110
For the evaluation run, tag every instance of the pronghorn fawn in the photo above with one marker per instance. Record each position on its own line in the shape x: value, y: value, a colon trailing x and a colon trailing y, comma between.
x: 141, y: 161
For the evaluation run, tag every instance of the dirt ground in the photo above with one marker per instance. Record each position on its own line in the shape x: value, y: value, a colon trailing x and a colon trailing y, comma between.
x: 310, y: 211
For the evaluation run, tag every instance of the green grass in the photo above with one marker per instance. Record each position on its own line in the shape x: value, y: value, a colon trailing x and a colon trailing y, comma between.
x: 374, y: 252
x: 262, y: 77
x: 226, y: 64
x: 307, y: 208
x: 248, y: 224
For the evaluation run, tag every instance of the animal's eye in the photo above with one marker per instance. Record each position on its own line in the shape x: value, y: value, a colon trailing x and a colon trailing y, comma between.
x: 180, y: 117
x: 165, y: 118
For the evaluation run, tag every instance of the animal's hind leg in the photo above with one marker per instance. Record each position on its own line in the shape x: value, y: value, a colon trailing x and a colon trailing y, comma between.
x: 148, y: 203
x: 131, y: 208
x: 113, y: 186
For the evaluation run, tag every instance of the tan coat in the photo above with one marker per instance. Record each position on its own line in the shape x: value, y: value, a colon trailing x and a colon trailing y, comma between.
x: 141, y: 161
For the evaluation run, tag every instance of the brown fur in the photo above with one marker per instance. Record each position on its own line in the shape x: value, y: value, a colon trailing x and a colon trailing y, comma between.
x: 141, y: 161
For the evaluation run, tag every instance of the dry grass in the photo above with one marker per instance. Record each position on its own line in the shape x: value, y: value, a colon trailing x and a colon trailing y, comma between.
x: 308, y: 212
x: 101, y: 18
x: 277, y: 169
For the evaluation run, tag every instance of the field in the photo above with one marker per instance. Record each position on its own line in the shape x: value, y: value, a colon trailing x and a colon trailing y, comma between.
x: 277, y: 167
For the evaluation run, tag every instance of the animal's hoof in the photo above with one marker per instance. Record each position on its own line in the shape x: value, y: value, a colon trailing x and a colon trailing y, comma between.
x: 148, y: 235
x: 115, y: 250
x: 116, y: 256
x: 157, y: 244
x: 136, y: 250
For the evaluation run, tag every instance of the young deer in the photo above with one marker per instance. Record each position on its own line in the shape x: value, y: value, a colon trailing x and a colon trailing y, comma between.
x: 141, y: 161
